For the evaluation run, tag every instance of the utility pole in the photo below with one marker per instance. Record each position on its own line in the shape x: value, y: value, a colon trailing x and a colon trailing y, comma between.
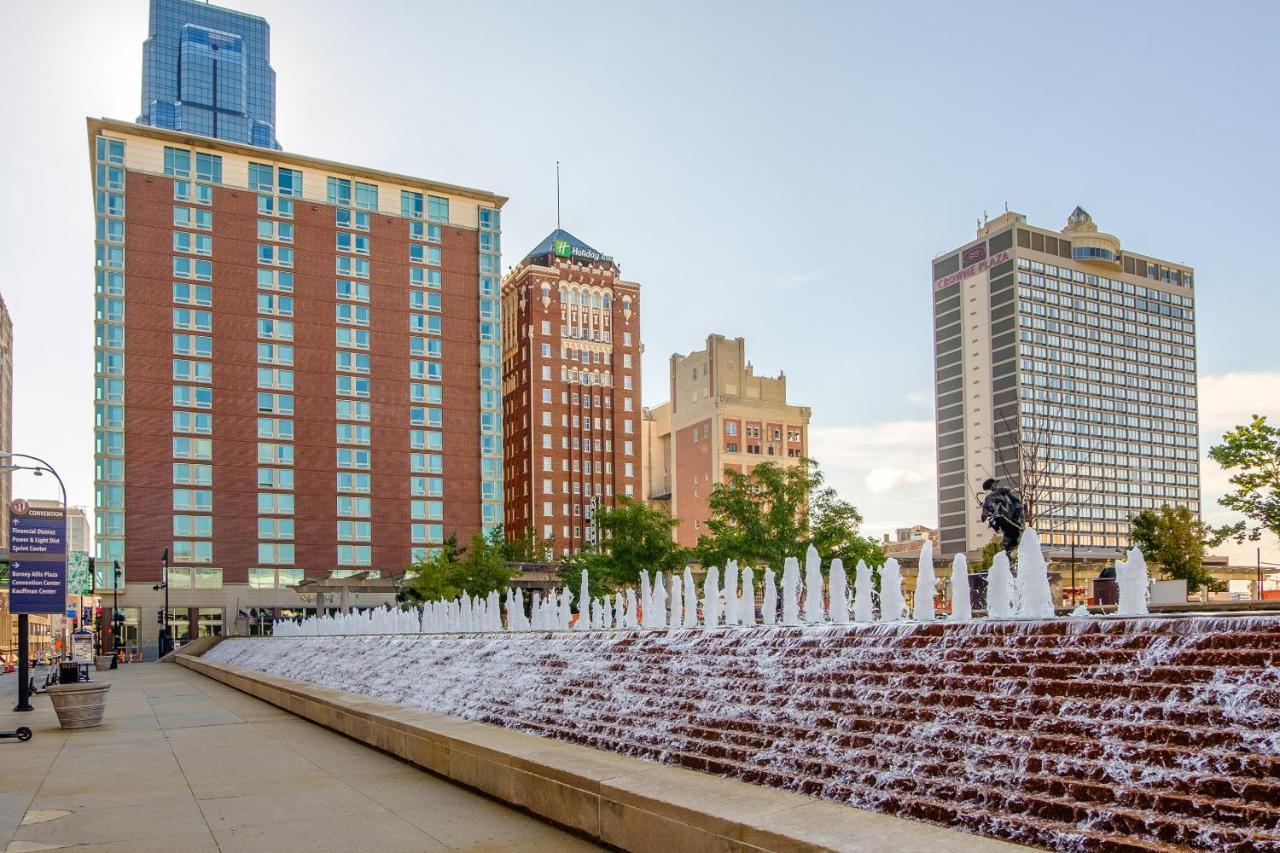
x: 165, y: 642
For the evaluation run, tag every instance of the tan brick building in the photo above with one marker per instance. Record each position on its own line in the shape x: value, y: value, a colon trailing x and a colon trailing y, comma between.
x: 721, y: 417
x: 571, y: 391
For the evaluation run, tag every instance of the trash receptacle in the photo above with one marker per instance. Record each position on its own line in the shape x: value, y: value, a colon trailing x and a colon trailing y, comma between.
x: 69, y: 673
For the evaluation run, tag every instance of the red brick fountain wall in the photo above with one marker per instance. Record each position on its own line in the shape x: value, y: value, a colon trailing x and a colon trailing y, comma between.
x: 1097, y: 734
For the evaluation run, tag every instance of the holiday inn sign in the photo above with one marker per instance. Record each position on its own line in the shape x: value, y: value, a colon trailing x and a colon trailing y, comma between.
x: 565, y: 249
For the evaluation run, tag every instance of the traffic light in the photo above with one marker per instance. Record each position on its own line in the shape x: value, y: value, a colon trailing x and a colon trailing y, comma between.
x: 159, y: 617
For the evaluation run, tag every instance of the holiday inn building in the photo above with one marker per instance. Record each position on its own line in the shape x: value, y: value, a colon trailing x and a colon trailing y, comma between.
x: 298, y: 373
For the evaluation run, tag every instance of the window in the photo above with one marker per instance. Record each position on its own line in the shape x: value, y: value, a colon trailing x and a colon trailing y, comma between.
x: 275, y: 553
x: 353, y: 362
x: 192, y: 294
x: 186, y: 474
x: 354, y: 434
x: 357, y: 291
x: 347, y: 242
x: 186, y: 551
x: 355, y: 555
x: 279, y: 428
x: 357, y: 315
x: 193, y: 525
x: 209, y: 168
x: 110, y: 150
x: 177, y: 162
x: 275, y: 478
x: 185, y: 241
x: 347, y: 218
x: 275, y: 354
x: 353, y: 410
x: 352, y: 267
x: 352, y: 386
x: 198, y: 500
x: 275, y: 404
x: 192, y: 371
x: 192, y: 448
x: 354, y: 338
x: 410, y: 204
x: 192, y: 268
x: 261, y: 177
x: 349, y: 507
x: 354, y: 531
x: 437, y: 209
x: 275, y: 528
x: 290, y: 184
x: 429, y: 232
x: 366, y: 196
x: 350, y: 457
x: 280, y: 330
x: 339, y: 192
x: 192, y: 396
x: 352, y: 482
x: 196, y: 422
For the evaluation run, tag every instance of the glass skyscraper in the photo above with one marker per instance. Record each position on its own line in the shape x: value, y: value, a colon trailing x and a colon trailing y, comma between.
x: 207, y: 70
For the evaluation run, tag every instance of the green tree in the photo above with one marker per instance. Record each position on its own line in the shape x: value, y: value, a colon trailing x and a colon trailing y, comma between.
x: 1172, y: 540
x: 1253, y: 451
x: 633, y: 537
x: 477, y: 570
x: 773, y: 512
x: 983, y: 564
x: 528, y: 548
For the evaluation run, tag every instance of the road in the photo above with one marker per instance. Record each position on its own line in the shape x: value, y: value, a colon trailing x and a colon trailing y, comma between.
x: 9, y: 686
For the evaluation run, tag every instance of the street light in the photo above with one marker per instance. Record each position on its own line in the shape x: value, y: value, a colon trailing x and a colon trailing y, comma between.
x: 166, y: 642
x: 24, y: 625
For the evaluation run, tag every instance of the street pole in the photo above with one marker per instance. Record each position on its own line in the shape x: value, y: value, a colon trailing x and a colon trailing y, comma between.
x: 115, y: 606
x: 165, y: 643
x: 1073, y: 568
x: 1259, y: 558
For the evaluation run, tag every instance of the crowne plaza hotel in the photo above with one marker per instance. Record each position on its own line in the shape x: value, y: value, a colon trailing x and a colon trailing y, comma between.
x: 298, y: 373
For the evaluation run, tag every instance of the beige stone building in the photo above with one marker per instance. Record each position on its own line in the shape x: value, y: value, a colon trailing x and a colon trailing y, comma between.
x: 1061, y: 347
x: 721, y: 417
x: 907, y: 541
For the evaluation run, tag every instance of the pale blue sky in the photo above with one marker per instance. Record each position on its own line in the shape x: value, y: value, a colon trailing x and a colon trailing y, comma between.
x: 780, y: 172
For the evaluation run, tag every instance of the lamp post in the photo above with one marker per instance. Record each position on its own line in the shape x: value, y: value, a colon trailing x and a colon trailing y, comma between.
x: 117, y: 621
x: 166, y: 642
x: 24, y: 624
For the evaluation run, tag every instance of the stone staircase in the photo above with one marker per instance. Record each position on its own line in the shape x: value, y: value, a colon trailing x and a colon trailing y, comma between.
x: 1099, y: 734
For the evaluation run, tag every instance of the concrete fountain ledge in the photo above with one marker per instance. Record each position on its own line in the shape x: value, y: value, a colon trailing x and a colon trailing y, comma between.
x: 625, y: 802
x: 1128, y: 734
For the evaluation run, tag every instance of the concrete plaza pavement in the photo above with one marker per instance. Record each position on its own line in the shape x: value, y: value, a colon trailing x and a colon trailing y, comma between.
x: 186, y: 763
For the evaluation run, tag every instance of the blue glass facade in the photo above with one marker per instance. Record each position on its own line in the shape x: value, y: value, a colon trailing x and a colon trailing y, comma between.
x: 207, y: 70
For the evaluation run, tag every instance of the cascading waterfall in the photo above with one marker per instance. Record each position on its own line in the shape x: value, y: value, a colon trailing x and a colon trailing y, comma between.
x: 961, y: 608
x: 926, y: 584
x: 676, y: 615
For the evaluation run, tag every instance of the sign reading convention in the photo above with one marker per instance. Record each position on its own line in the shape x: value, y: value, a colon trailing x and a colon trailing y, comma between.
x: 38, y: 559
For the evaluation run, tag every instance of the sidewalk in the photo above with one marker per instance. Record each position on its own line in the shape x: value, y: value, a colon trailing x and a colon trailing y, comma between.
x: 185, y: 763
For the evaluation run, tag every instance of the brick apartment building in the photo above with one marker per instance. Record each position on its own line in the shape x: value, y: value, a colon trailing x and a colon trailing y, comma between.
x: 571, y: 401
x: 297, y: 370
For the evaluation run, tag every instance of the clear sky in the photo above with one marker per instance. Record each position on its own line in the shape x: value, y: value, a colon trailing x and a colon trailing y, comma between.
x: 783, y: 172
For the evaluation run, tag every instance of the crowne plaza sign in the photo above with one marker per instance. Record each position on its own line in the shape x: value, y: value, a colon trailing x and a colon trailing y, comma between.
x: 972, y: 269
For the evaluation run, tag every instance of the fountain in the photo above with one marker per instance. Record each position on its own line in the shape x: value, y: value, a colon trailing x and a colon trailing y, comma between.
x: 659, y: 593
x: 1133, y: 584
x: 584, y: 619
x: 747, y: 605
x: 790, y: 591
x: 926, y: 584
x: 961, y: 607
x: 769, y: 607
x: 690, y: 600
x: 893, y: 606
x: 1000, y: 588
x: 711, y: 598
x: 675, y: 617
x: 837, y: 593
x: 813, y: 611
x: 1035, y: 600
x: 731, y: 592
x: 863, y: 606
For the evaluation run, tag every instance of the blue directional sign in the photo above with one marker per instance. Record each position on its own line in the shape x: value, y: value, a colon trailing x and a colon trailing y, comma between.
x: 38, y: 559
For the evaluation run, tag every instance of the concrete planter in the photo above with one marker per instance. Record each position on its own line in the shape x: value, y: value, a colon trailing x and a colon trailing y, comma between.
x: 79, y: 706
x: 101, y: 662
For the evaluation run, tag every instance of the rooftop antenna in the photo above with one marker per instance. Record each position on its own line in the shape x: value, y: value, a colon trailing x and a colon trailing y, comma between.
x: 557, y: 195
x: 1006, y: 207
